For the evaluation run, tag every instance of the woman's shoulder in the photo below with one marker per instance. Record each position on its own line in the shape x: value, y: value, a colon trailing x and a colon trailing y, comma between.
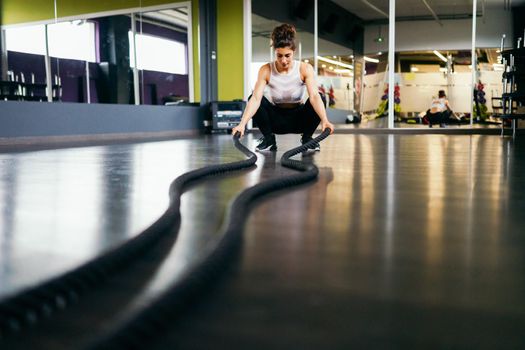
x: 304, y: 65
x: 265, y: 71
x: 266, y: 67
x: 305, y: 68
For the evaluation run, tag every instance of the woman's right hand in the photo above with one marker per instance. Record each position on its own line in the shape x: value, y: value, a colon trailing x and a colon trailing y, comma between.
x: 238, y: 129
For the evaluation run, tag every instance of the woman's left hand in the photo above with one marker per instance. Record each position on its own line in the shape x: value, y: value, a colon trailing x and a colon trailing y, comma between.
x: 327, y: 125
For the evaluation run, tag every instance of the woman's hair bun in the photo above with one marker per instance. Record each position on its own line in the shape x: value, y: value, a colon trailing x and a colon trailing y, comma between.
x: 284, y: 36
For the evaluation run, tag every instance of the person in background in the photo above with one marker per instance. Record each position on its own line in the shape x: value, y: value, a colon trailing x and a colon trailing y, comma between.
x: 440, y: 110
x: 285, y: 111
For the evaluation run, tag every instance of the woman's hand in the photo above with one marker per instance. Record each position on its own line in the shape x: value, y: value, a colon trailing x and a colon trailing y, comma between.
x: 327, y: 125
x: 238, y: 129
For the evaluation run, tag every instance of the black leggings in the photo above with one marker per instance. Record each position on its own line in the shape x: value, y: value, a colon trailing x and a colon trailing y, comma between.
x: 438, y: 117
x: 275, y: 120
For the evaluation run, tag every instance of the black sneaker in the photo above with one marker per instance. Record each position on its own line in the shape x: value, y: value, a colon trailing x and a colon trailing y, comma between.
x: 266, y: 143
x: 315, y: 146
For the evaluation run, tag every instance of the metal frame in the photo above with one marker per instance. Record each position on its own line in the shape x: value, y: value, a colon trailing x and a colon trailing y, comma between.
x: 473, y: 59
x: 3, y: 54
x: 316, y: 36
x: 49, y: 77
x: 247, y: 41
x: 136, y: 84
x: 391, y: 61
x: 208, y: 50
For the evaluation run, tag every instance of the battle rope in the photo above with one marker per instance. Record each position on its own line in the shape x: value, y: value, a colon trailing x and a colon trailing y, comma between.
x: 138, y: 332
x: 33, y: 304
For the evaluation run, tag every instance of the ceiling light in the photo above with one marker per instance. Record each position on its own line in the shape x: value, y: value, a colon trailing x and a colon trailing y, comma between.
x: 414, y: 69
x: 331, y: 68
x: 443, y: 58
x: 369, y: 59
x: 343, y: 71
x: 323, y: 65
x: 307, y: 61
x: 337, y: 63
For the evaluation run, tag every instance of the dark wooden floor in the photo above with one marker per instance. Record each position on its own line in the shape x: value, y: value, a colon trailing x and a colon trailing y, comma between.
x: 405, y: 241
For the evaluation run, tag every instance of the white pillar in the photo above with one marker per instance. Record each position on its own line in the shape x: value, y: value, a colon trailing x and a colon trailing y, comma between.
x: 88, y: 85
x: 136, y: 85
x: 189, y: 31
x: 391, y: 61
x: 4, y: 54
x: 49, y: 78
x: 316, y: 35
x: 473, y: 60
x: 247, y: 40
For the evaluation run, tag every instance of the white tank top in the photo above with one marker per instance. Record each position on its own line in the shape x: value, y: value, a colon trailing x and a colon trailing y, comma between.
x: 439, y: 104
x: 286, y: 87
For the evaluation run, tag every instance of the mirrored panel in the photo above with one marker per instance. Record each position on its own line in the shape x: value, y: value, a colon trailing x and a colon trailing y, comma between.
x: 85, y: 60
x: 375, y: 105
x: 25, y: 67
x: 339, y: 31
x: 433, y: 64
x: 367, y: 32
x: 494, y: 34
x: 266, y: 16
x: 262, y: 52
x: 74, y: 60
x: 161, y: 47
x: 99, y: 60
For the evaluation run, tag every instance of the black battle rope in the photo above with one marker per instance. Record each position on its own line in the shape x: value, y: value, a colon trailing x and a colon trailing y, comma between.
x: 33, y: 304
x: 138, y: 332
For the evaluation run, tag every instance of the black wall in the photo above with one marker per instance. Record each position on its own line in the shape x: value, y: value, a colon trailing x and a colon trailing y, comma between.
x: 518, y: 19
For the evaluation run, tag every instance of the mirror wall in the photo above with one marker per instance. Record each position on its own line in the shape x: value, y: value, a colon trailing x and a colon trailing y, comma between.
x: 336, y: 56
x: 120, y: 57
x: 433, y: 52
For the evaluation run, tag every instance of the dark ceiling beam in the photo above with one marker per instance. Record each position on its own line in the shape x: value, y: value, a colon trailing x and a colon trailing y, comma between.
x: 421, y: 18
x: 434, y: 14
x: 375, y: 8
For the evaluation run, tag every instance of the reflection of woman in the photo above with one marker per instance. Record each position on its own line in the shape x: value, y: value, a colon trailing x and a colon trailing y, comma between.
x: 286, y: 80
x: 439, y: 111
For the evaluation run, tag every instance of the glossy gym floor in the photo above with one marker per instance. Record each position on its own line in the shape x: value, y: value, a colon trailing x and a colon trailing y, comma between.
x: 405, y: 241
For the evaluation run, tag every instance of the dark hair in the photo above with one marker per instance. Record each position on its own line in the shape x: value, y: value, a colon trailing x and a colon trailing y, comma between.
x: 441, y: 93
x: 284, y: 36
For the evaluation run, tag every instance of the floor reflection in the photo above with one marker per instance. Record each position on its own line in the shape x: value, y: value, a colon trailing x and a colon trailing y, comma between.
x: 431, y: 224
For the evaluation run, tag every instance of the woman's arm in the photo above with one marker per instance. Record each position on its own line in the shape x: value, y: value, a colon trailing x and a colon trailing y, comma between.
x: 447, y: 104
x: 315, y: 98
x: 255, y: 101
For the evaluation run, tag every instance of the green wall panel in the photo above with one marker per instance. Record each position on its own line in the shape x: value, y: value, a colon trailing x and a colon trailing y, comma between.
x: 68, y: 8
x: 230, y: 49
x: 16, y: 11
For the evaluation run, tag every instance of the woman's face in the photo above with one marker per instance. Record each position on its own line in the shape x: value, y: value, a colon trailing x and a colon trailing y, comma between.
x: 284, y: 57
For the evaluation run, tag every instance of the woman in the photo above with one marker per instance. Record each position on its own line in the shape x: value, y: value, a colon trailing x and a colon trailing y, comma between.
x: 286, y: 80
x: 439, y: 111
